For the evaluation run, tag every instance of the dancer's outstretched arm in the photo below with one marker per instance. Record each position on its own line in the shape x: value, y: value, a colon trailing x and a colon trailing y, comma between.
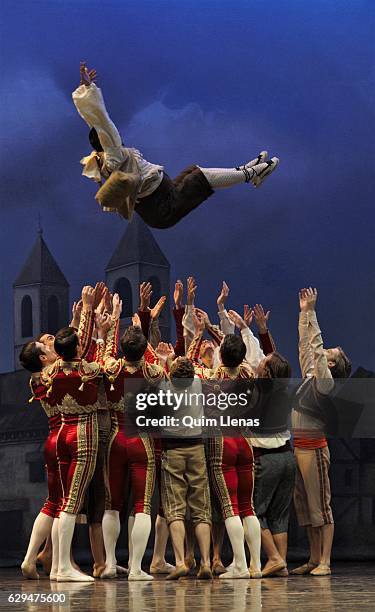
x: 322, y: 373
x: 89, y: 102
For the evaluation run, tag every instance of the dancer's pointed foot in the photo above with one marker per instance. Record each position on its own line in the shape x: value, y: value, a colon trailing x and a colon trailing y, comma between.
x: 261, y: 171
x: 234, y: 573
x: 257, y: 160
x: 139, y: 575
x: 301, y: 570
x: 29, y: 570
x: 161, y: 568
x: 73, y: 576
x: 179, y: 572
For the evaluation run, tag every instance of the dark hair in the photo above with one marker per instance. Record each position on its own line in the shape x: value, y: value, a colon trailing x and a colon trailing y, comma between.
x: 232, y: 351
x: 66, y: 343
x: 342, y: 367
x: 94, y: 140
x: 133, y: 343
x: 30, y: 357
x: 182, y: 372
x: 277, y: 366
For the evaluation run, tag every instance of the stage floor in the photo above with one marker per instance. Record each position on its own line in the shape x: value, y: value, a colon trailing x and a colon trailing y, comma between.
x: 351, y: 587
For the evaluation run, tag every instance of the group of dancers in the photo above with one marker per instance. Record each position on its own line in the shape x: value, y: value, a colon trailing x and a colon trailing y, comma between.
x: 242, y: 484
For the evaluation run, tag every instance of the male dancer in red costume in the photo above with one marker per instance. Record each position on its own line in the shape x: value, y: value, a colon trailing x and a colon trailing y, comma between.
x: 134, y: 183
x: 231, y: 459
x: 34, y: 357
x: 72, y: 388
x: 128, y: 451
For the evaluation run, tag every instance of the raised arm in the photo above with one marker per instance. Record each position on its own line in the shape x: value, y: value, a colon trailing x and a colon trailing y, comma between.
x: 226, y: 324
x: 145, y: 292
x: 111, y: 345
x: 213, y: 330
x: 261, y: 319
x: 187, y: 321
x: 154, y: 330
x: 195, y: 346
x: 86, y: 321
x: 89, y: 102
x: 178, y: 313
x: 306, y: 360
x: 254, y: 353
x: 321, y: 371
x: 103, y: 324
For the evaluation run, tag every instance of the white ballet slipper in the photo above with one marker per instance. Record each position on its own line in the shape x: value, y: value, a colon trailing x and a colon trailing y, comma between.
x: 140, y: 575
x: 233, y: 573
x: 73, y: 576
x: 263, y: 170
x: 258, y: 160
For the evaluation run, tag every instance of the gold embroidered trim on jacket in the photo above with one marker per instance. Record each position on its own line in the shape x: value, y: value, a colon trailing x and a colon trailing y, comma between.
x: 70, y: 406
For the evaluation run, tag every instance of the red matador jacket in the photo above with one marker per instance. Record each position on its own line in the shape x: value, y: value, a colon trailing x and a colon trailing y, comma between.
x: 117, y: 371
x: 41, y: 382
x: 71, y: 387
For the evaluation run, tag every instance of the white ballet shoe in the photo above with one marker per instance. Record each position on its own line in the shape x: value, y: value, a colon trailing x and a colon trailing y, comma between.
x: 233, y: 573
x: 140, y: 575
x: 121, y: 570
x: 53, y: 577
x: 73, y: 576
x: 29, y: 571
x: 258, y: 160
x: 261, y: 171
x: 109, y: 572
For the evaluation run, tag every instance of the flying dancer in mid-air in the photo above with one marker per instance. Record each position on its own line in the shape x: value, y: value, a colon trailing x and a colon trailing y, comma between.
x: 134, y: 184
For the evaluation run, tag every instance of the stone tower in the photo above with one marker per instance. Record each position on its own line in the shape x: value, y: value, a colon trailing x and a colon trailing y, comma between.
x: 139, y: 258
x: 41, y: 297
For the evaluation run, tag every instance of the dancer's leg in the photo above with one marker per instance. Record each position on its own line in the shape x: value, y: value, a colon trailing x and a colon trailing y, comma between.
x: 217, y: 532
x: 111, y: 531
x: 66, y: 570
x: 158, y: 563
x: 140, y: 534
x: 235, y: 532
x: 97, y: 548
x: 220, y: 178
x: 55, y: 550
x: 41, y: 530
x: 45, y: 555
x: 131, y: 520
x: 253, y: 540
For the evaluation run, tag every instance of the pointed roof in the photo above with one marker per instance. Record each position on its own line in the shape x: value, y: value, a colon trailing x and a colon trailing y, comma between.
x: 137, y: 245
x: 40, y: 267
